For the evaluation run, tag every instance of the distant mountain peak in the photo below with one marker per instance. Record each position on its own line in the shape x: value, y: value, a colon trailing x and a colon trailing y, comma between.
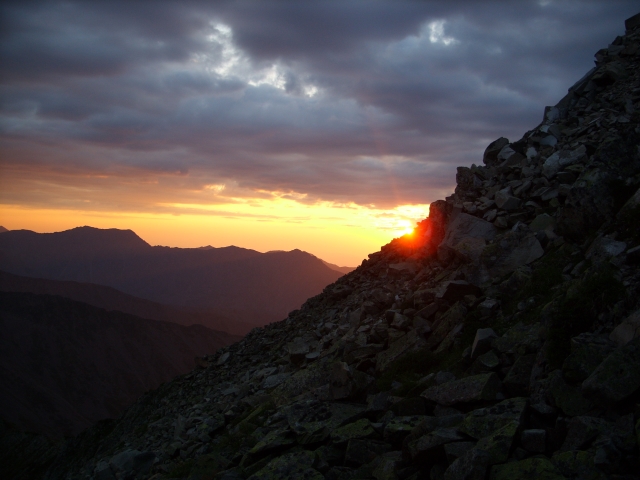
x: 2, y: 229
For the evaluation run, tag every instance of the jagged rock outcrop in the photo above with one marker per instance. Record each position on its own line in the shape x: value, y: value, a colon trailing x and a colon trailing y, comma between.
x: 392, y: 372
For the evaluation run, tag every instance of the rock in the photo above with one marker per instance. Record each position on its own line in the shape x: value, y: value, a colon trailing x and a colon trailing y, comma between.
x: 447, y: 323
x: 456, y: 290
x: 543, y: 221
x: 472, y: 465
x: 386, y: 469
x: 488, y: 307
x: 506, y: 202
x: 457, y: 449
x: 428, y: 311
x: 359, y: 429
x: 297, y: 351
x: 399, y: 428
x: 482, y: 341
x: 407, y: 343
x: 463, y: 228
x: 470, y: 389
x: 587, y: 352
x: 490, y: 156
x: 482, y: 422
x: 224, y: 358
x: 603, y: 248
x: 628, y: 330
x: 290, y: 466
x: 582, y: 431
x: 409, y: 406
x: 486, y: 362
x: 361, y: 451
x: 520, y: 339
x: 273, y: 381
x: 534, y: 440
x: 516, y: 383
x: 567, y: 398
x: 576, y: 464
x: 515, y: 249
x: 562, y: 159
x: 529, y: 469
x: 616, y: 378
x: 429, y: 447
x: 401, y: 322
x: 498, y: 443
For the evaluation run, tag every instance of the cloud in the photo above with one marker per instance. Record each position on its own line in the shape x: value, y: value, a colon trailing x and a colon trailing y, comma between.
x: 364, y: 102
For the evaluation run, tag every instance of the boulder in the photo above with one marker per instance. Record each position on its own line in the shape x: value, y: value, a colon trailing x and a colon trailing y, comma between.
x: 517, y: 380
x: 490, y: 157
x: 617, y: 377
x: 464, y: 227
x: 290, y: 465
x: 406, y: 343
x: 498, y: 444
x: 456, y: 290
x: 534, y: 440
x: 359, y: 429
x: 430, y: 447
x: 482, y: 341
x: 567, y: 398
x: 482, y: 422
x: 466, y: 390
x: 628, y: 330
x: 506, y: 201
x: 520, y: 339
x: 472, y: 465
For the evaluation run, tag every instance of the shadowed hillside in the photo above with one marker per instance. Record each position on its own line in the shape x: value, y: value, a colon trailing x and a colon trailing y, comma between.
x: 252, y: 287
x: 112, y: 299
x: 65, y: 365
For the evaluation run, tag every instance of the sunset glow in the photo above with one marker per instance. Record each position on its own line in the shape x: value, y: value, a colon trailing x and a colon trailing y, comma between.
x: 340, y: 234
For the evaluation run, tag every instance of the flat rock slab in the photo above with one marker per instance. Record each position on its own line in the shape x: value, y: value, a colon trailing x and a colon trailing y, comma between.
x: 466, y: 390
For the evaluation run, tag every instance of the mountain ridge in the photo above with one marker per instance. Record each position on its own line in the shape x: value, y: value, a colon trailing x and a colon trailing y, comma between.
x: 218, y: 279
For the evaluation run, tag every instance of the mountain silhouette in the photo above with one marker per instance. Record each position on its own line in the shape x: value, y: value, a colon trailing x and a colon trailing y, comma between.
x: 242, y: 284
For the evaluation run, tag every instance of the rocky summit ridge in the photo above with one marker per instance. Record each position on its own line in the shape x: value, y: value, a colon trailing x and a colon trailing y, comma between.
x: 500, y: 341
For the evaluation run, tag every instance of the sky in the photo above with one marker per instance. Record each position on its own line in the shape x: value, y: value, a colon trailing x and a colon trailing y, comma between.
x: 327, y: 126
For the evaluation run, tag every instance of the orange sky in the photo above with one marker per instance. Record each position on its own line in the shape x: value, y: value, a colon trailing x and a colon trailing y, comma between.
x: 340, y: 234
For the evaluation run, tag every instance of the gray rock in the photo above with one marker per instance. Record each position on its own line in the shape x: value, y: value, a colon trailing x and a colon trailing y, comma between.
x: 506, y: 202
x: 543, y: 221
x: 466, y: 390
x: 582, y: 430
x: 482, y: 341
x: 617, y: 377
x: 482, y: 422
x: 428, y: 448
x: 490, y: 157
x: 464, y: 227
x: 534, y: 440
x: 272, y: 381
x: 562, y: 159
x: 456, y: 290
x: 472, y: 465
x: 628, y: 330
x: 520, y: 339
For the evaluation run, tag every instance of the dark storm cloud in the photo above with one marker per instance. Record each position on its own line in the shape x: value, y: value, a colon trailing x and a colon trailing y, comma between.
x: 372, y: 102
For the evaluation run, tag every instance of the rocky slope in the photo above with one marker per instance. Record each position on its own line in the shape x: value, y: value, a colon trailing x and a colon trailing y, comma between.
x: 499, y: 341
x: 64, y: 365
x: 245, y: 285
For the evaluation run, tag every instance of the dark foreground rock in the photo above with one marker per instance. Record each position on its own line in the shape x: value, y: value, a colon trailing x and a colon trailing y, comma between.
x: 391, y: 373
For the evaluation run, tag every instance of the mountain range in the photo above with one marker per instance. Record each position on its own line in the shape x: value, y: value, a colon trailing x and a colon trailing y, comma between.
x: 243, y: 285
